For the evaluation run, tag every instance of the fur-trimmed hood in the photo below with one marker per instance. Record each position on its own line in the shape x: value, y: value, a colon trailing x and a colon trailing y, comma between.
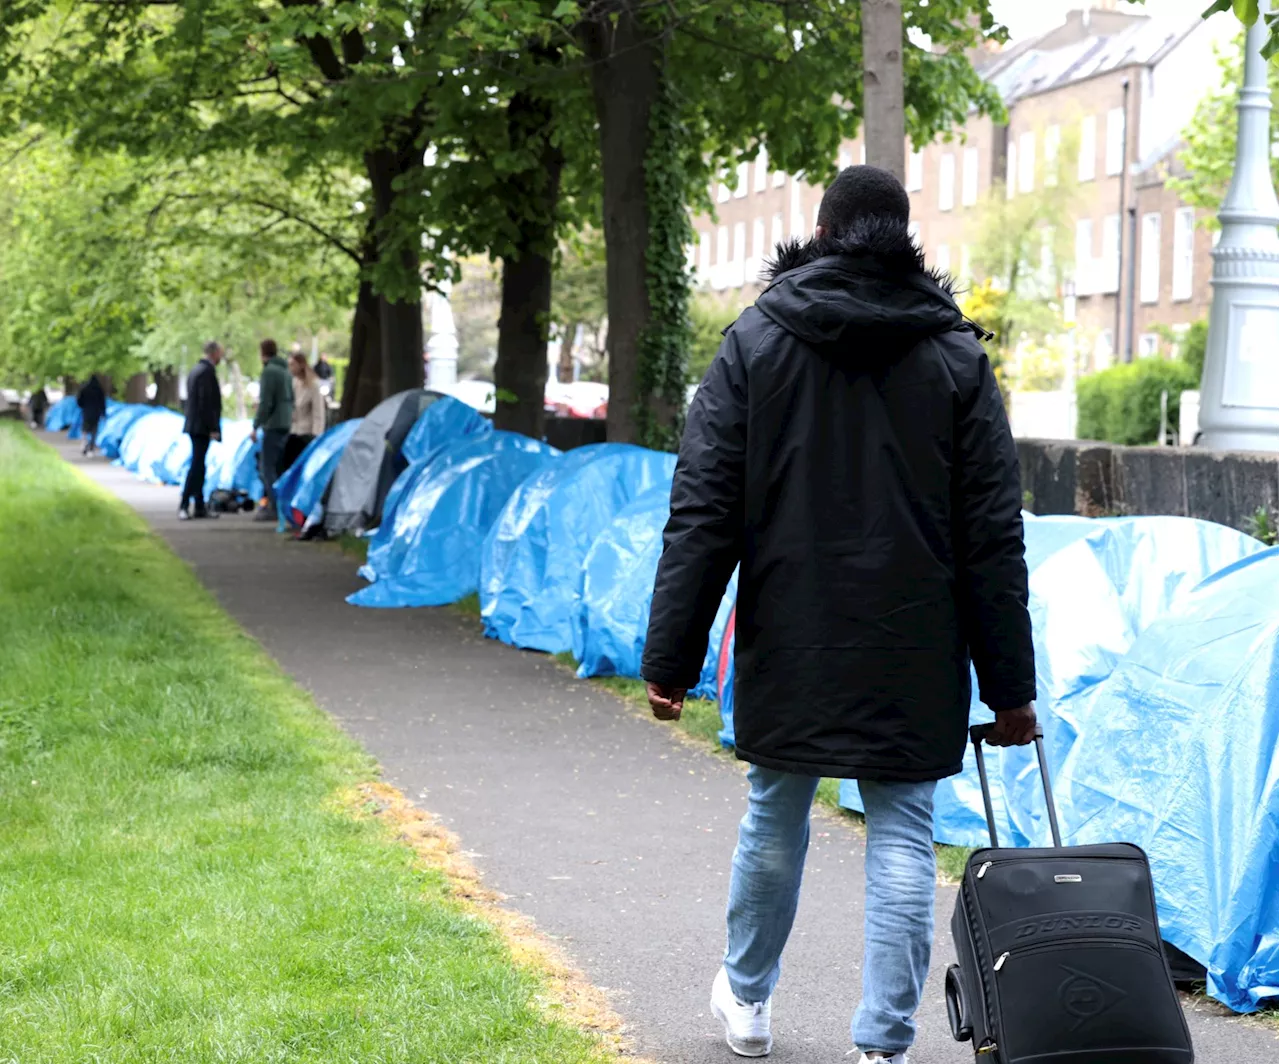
x: 864, y: 296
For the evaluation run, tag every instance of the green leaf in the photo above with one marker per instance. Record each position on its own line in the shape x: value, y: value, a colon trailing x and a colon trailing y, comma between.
x: 1246, y: 11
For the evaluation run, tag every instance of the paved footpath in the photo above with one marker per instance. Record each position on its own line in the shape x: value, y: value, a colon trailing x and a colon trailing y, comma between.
x: 612, y: 834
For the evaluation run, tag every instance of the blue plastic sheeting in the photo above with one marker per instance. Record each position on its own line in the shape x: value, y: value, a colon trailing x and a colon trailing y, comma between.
x: 438, y: 426
x: 709, y: 682
x: 232, y: 464
x: 300, y: 491
x: 172, y: 466
x: 612, y: 613
x: 112, y: 430
x: 428, y: 554
x: 1180, y: 758
x: 147, y: 440
x: 611, y: 619
x: 530, y: 574
x: 58, y: 416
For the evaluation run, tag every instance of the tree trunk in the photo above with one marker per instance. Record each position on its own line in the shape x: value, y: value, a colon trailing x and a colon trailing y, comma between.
x: 520, y: 372
x: 166, y: 386
x: 399, y: 320
x: 362, y: 385
x: 135, y: 389
x: 568, y: 344
x: 884, y: 120
x: 624, y: 57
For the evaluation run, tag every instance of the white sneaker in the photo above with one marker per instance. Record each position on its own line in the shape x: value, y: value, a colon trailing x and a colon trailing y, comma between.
x: 746, y: 1027
x: 897, y: 1058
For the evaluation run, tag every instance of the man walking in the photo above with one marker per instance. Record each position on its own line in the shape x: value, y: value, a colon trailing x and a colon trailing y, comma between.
x: 203, y: 424
x: 274, y: 416
x: 849, y: 449
x: 92, y: 401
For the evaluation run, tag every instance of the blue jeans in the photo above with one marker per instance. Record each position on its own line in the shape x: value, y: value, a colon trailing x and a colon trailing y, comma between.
x: 765, y: 888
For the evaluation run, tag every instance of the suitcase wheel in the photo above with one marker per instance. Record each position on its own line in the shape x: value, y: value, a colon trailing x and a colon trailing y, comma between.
x: 957, y: 1010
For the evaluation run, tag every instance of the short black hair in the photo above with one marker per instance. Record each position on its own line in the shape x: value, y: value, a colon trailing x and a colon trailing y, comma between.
x: 268, y: 348
x: 862, y: 192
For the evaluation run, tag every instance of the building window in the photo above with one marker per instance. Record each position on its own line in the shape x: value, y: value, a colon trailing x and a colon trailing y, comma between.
x: 1184, y: 251
x: 762, y: 170
x: 862, y: 154
x: 757, y: 239
x: 775, y: 233
x: 722, y: 245
x: 1084, y: 257
x: 779, y: 178
x: 739, y: 254
x: 1052, y: 144
x: 744, y: 181
x: 969, y: 177
x: 942, y: 258
x: 1104, y: 349
x: 1149, y: 285
x: 1027, y: 162
x: 946, y: 181
x: 966, y: 262
x: 1115, y: 141
x: 1011, y: 170
x: 797, y: 213
x: 846, y: 160
x: 704, y: 255
x: 1110, y: 279
x: 1148, y: 345
x: 913, y: 231
x: 722, y: 193
x: 816, y: 208
x: 915, y: 171
x: 1088, y: 161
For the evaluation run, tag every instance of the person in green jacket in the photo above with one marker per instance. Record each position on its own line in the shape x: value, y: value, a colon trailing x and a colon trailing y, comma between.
x: 275, y: 413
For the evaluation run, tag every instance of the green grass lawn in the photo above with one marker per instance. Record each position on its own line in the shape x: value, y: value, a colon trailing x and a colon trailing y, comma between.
x: 181, y: 878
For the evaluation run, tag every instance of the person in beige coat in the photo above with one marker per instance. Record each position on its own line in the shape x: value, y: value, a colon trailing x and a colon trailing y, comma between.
x: 308, y: 409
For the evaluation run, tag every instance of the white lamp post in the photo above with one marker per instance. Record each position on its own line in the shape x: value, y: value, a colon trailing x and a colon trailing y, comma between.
x: 1240, y: 390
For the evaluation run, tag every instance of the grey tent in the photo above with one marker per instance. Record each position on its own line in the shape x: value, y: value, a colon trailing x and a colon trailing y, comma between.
x: 370, y: 463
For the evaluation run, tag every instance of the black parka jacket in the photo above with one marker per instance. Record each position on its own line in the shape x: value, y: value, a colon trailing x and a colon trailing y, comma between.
x: 204, y: 400
x: 849, y: 447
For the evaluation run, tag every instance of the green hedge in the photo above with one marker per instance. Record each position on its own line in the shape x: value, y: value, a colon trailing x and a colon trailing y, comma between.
x: 1122, y: 404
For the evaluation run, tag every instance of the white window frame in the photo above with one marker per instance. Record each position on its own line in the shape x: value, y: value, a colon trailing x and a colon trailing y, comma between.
x: 797, y: 212
x: 862, y: 154
x: 1109, y: 261
x: 816, y: 208
x: 915, y: 171
x: 1114, y: 160
x: 777, y: 232
x: 1184, y: 254
x: 744, y: 181
x: 762, y: 169
x: 846, y: 159
x: 779, y: 178
x: 913, y: 231
x: 1027, y: 162
x: 969, y: 177
x: 946, y: 181
x: 1052, y: 147
x: 757, y: 239
x: 1084, y: 257
x: 942, y: 258
x: 1148, y: 345
x: 739, y: 264
x: 1149, y: 263
x: 722, y: 193
x: 1087, y: 163
x: 966, y: 262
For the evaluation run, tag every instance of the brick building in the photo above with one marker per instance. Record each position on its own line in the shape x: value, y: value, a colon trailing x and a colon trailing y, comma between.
x: 1140, y: 258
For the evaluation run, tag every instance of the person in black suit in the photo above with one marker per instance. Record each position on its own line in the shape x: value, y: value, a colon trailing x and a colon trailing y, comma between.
x: 203, y: 424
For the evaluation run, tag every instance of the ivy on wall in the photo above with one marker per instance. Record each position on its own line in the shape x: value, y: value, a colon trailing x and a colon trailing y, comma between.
x: 664, y: 344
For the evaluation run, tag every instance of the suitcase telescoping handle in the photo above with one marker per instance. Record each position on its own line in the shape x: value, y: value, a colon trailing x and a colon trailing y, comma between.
x: 978, y: 733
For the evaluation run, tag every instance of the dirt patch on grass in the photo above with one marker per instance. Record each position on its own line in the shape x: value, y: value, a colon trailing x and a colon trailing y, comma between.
x: 568, y: 996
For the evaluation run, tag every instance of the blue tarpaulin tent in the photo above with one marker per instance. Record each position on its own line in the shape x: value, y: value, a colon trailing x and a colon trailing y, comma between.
x: 147, y: 440
x: 532, y: 557
x: 59, y: 416
x: 300, y: 490
x: 1177, y: 753
x: 439, y: 426
x: 232, y: 464
x: 612, y: 615
x: 428, y: 552
x: 114, y: 426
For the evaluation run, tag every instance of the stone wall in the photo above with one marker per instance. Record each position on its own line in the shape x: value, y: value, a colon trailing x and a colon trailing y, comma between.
x: 1102, y: 479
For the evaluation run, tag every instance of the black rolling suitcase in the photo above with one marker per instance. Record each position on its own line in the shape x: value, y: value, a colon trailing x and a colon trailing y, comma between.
x: 1059, y: 952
